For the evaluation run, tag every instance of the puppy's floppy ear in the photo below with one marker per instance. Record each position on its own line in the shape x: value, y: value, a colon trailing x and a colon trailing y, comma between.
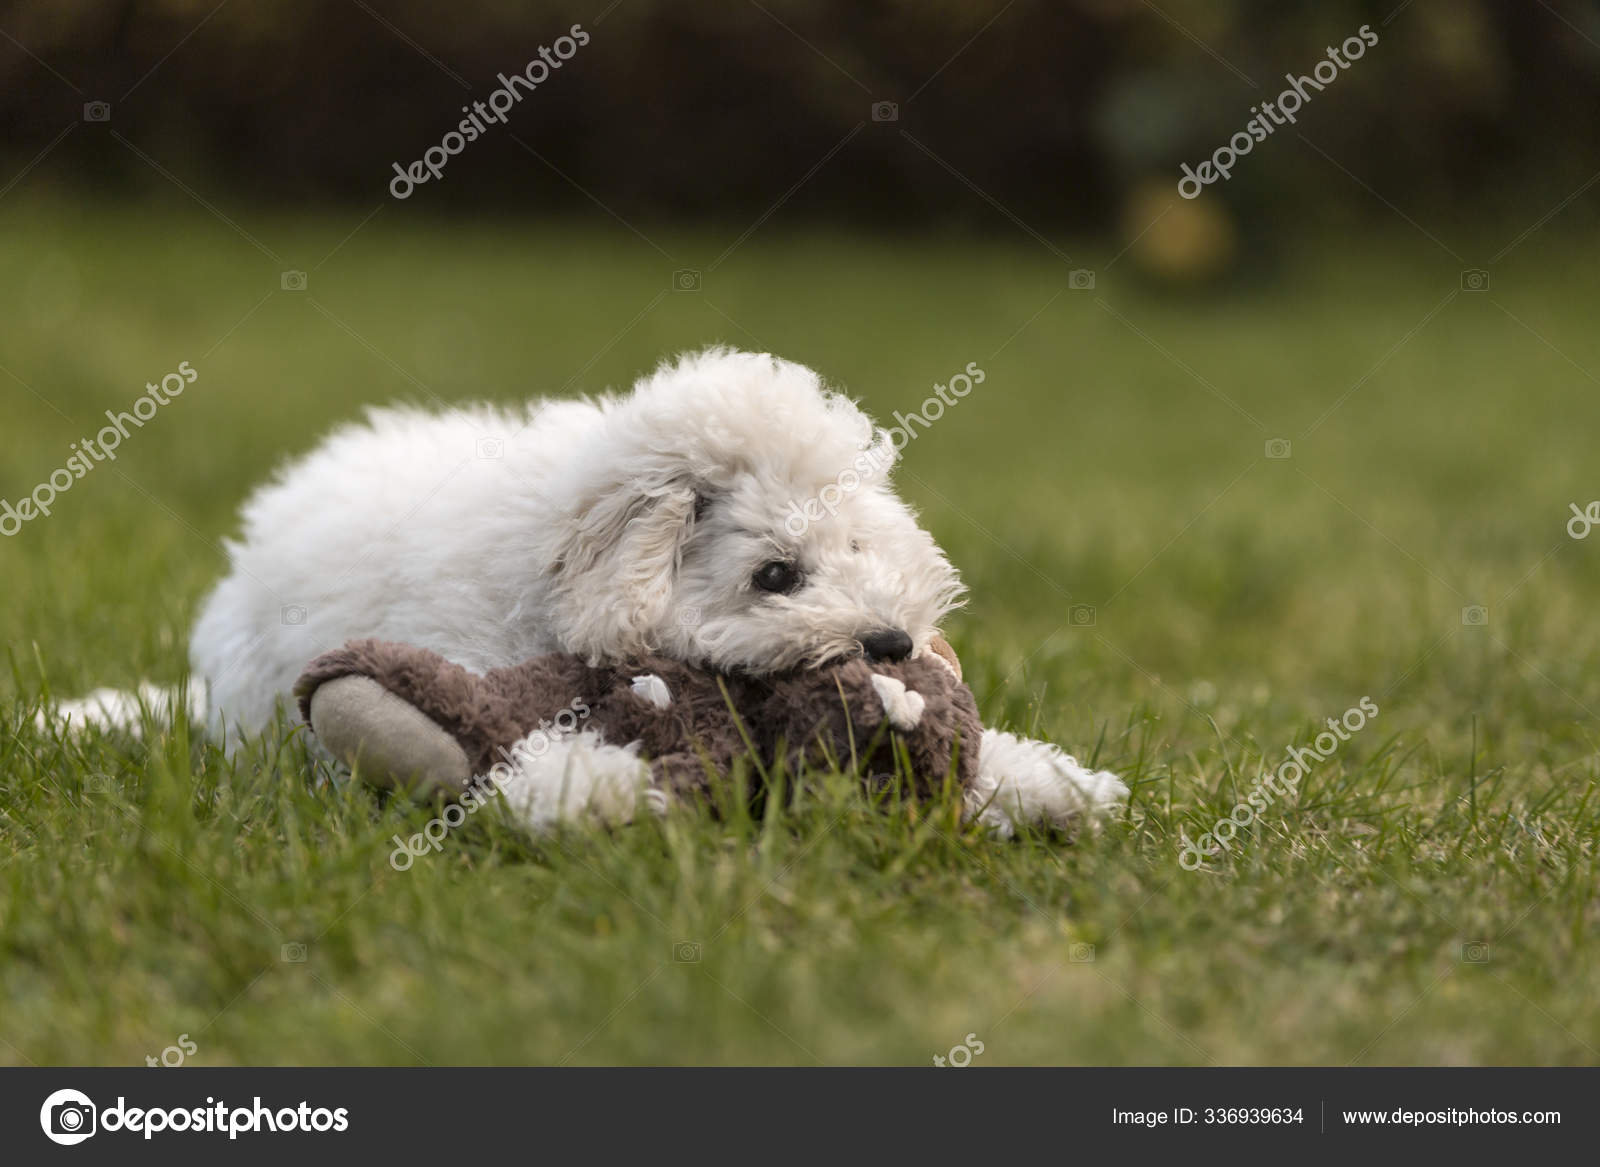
x: 648, y: 514
x: 618, y: 560
x: 651, y: 547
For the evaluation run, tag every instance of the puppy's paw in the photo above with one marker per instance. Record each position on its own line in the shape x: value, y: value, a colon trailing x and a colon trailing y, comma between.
x: 1021, y: 781
x: 578, y: 777
x: 117, y: 709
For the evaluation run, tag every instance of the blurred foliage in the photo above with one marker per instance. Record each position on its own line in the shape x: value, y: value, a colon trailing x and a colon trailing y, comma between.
x: 1061, y: 110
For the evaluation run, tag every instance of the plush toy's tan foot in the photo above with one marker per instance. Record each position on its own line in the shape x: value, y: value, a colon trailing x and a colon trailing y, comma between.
x: 389, y: 742
x: 940, y: 647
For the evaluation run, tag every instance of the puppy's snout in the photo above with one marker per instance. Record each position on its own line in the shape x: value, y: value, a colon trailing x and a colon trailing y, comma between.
x: 886, y: 644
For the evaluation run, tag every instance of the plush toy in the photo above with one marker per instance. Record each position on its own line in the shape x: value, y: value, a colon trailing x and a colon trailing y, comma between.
x: 560, y: 738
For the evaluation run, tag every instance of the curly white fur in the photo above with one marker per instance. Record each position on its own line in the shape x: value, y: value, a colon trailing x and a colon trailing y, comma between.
x: 607, y: 527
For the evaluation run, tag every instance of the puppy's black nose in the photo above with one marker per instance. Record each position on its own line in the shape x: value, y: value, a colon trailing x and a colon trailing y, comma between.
x: 887, y: 644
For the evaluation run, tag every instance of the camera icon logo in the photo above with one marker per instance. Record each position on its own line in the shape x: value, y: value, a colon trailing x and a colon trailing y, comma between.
x: 292, y: 953
x: 292, y: 281
x: 885, y: 111
x: 97, y: 111
x: 1080, y: 279
x: 1081, y: 615
x: 68, y: 1117
x: 1474, y: 615
x: 292, y: 616
x: 686, y: 280
x: 1474, y: 279
x: 689, y: 617
x: 1278, y: 448
x: 1475, y: 952
x: 686, y: 952
x: 491, y: 448
x: 1081, y: 954
x: 882, y: 783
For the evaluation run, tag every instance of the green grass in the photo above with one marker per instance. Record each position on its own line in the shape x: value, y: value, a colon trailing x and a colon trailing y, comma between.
x: 147, y: 890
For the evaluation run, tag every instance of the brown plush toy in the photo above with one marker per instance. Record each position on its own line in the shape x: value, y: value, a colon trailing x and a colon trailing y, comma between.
x: 560, y: 738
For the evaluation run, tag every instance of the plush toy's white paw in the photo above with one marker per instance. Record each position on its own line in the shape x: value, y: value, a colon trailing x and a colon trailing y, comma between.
x: 653, y: 689
x: 578, y: 776
x: 902, y: 706
x: 1022, y: 781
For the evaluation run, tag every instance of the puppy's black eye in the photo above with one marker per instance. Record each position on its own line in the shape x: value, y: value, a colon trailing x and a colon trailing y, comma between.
x: 777, y: 576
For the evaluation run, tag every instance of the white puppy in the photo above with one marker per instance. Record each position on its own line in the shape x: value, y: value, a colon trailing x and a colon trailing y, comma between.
x: 730, y: 511
x: 656, y: 521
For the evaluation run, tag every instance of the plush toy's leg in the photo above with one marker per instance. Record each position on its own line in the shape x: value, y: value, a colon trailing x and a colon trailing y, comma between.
x: 550, y: 780
x: 1024, y: 781
x: 388, y: 741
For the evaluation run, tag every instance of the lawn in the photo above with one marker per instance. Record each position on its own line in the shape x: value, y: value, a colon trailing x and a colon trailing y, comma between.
x: 1149, y: 588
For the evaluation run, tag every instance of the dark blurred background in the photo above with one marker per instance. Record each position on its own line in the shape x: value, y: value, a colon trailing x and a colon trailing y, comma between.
x: 1065, y: 112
